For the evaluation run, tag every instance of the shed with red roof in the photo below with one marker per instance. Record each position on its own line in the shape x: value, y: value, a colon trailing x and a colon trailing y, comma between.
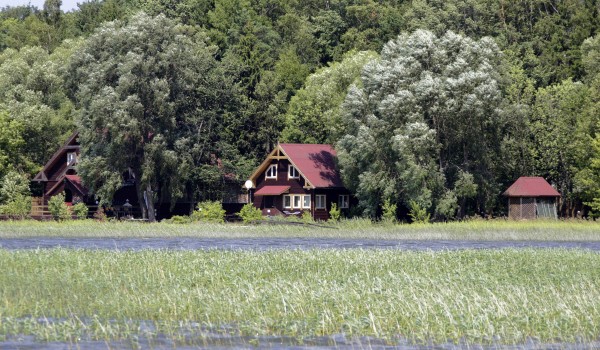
x: 531, y: 198
x: 298, y: 178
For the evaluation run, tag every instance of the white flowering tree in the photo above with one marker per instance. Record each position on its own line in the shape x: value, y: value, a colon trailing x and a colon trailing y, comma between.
x: 424, y: 115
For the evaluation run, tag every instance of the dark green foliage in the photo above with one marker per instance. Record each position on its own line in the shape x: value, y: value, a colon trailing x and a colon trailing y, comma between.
x: 244, y: 75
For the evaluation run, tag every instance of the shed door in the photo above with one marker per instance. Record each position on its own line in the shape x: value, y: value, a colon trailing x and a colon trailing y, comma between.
x: 527, y: 208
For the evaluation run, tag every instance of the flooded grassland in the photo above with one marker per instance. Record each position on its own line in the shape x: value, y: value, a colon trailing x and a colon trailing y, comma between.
x: 503, y: 296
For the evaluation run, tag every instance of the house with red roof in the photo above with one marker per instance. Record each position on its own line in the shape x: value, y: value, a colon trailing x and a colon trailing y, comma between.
x: 531, y: 198
x: 298, y: 178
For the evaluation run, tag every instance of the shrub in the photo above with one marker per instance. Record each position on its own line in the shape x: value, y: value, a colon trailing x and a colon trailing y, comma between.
x: 58, y: 208
x: 18, y: 207
x: 418, y: 213
x: 13, y: 185
x: 100, y: 215
x: 178, y: 219
x: 209, y: 211
x: 307, y: 217
x: 335, y: 213
x: 250, y: 213
x: 389, y: 211
x: 80, y: 210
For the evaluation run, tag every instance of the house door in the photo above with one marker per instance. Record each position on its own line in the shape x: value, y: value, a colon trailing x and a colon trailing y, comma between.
x: 269, y: 202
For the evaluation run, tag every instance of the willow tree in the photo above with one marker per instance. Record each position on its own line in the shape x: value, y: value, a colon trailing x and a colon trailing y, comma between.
x: 150, y: 95
x: 425, y: 115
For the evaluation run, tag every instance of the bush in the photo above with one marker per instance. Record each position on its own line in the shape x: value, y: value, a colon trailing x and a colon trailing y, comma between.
x: 307, y: 217
x: 389, y: 211
x: 58, y: 208
x: 250, y: 213
x: 418, y: 214
x: 80, y: 210
x: 17, y: 208
x: 209, y: 211
x: 178, y: 219
x: 100, y: 215
x: 335, y: 213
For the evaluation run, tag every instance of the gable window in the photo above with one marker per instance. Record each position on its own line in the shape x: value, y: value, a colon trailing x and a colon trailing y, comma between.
x: 293, y: 172
x: 271, y: 172
x: 344, y: 201
x: 71, y: 158
x: 320, y: 201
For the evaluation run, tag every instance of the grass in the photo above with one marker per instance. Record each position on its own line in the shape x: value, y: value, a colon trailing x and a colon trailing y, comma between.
x: 475, y: 296
x: 468, y: 230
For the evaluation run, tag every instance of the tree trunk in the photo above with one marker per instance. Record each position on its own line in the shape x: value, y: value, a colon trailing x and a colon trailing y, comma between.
x: 150, y: 204
x: 141, y: 202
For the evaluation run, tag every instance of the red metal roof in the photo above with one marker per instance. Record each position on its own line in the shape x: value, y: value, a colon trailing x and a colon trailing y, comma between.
x: 316, y: 162
x: 531, y: 187
x: 272, y: 190
x: 75, y: 180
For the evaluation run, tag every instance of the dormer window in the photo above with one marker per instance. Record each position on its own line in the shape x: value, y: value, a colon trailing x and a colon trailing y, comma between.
x: 71, y: 158
x: 293, y: 172
x: 271, y: 172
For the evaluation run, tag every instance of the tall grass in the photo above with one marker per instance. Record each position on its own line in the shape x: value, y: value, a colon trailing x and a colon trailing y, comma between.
x: 470, y: 295
x: 359, y: 228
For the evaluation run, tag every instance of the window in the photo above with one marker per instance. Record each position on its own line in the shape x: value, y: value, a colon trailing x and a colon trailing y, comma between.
x: 344, y: 201
x: 306, y: 202
x: 293, y: 172
x: 296, y: 201
x: 271, y: 172
x: 320, y: 201
x: 71, y: 158
x: 287, y: 202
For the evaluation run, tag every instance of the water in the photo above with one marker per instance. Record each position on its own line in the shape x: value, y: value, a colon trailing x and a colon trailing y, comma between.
x: 202, y: 338
x: 260, y: 244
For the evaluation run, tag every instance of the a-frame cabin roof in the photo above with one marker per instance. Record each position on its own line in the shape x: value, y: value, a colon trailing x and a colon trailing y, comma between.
x: 315, y: 162
x: 531, y: 187
x: 70, y: 145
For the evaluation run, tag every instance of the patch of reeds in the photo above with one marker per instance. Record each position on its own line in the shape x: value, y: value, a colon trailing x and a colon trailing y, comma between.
x: 556, y: 230
x: 474, y: 296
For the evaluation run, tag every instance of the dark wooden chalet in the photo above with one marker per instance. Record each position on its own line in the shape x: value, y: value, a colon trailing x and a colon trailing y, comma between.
x: 299, y: 177
x: 59, y: 175
x: 531, y: 198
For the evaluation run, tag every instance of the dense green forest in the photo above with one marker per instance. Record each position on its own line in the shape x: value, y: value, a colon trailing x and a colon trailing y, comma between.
x: 440, y: 103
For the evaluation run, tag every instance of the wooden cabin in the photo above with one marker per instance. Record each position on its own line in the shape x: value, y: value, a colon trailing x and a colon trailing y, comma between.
x: 59, y: 175
x: 298, y: 178
x: 531, y: 198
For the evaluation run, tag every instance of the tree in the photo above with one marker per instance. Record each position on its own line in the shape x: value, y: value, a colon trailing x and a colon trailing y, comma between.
x: 151, y: 100
x: 428, y: 109
x: 313, y: 114
x: 37, y: 108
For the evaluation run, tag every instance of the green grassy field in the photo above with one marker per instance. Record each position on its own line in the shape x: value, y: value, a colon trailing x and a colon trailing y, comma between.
x: 472, y: 295
x: 470, y: 230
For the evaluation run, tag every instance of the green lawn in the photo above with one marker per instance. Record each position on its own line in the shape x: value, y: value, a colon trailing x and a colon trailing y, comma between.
x: 472, y: 230
x: 474, y: 295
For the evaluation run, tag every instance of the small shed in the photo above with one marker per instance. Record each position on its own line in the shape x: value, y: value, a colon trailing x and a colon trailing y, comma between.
x: 531, y: 198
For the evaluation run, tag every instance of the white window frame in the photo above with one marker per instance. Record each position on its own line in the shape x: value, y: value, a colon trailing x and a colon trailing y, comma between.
x: 293, y: 172
x: 72, y: 161
x: 344, y: 201
x: 271, y: 169
x: 306, y: 205
x: 320, y: 201
x: 296, y: 201
x: 289, y: 199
